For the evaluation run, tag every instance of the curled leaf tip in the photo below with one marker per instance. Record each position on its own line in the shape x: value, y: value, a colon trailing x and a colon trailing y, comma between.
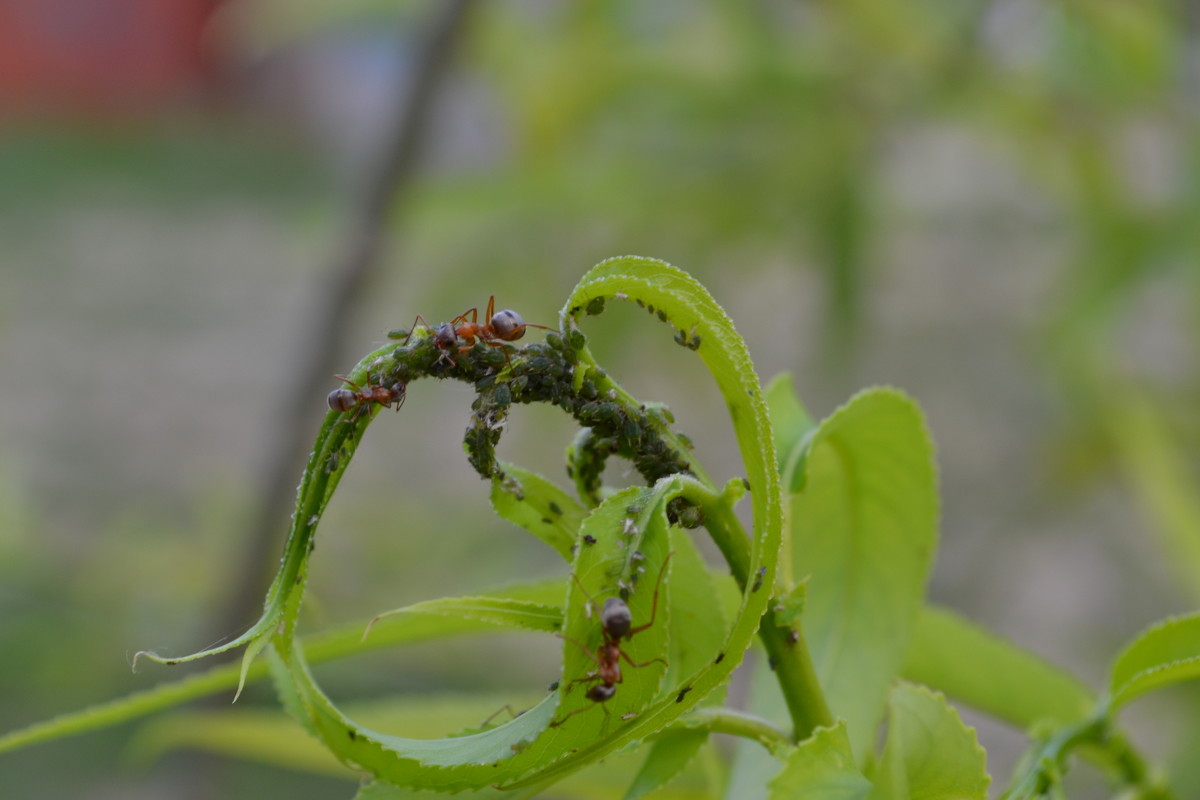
x: 367, y: 630
x: 150, y: 654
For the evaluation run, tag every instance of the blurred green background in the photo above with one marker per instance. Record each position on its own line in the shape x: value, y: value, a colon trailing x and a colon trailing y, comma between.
x: 992, y: 205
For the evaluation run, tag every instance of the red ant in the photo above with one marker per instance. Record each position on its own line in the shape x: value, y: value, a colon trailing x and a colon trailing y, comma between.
x: 498, y: 328
x: 616, y: 624
x: 359, y: 398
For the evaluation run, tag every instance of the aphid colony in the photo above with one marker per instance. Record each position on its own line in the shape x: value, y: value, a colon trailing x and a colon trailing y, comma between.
x: 451, y: 338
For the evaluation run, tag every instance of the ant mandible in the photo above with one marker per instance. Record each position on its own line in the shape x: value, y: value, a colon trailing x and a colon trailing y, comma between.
x: 616, y: 623
x: 460, y: 334
x: 352, y: 396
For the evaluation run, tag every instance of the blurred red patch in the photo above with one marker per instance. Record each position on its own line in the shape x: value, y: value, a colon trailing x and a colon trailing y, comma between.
x: 102, y: 56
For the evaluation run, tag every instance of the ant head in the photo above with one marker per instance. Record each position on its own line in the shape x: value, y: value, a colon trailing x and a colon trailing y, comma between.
x: 398, y: 392
x: 445, y: 337
x: 601, y: 692
x: 615, y: 617
x: 508, y: 325
x: 341, y: 399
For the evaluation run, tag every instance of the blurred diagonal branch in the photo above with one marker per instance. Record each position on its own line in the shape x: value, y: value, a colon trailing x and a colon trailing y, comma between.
x: 385, y: 182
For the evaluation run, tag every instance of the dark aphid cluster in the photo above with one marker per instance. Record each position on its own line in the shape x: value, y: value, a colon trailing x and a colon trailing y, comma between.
x: 689, y: 340
x: 684, y: 513
x: 586, y: 458
x: 544, y: 373
x: 541, y: 372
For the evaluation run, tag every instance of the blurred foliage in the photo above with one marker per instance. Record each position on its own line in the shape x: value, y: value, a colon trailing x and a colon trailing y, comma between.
x: 731, y: 137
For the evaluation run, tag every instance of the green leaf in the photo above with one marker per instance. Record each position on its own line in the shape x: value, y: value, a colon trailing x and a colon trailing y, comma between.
x: 702, y: 325
x: 698, y: 623
x: 865, y: 529
x: 385, y: 791
x: 1165, y: 654
x: 444, y: 764
x: 670, y: 753
x: 616, y: 564
x: 821, y: 768
x: 792, y: 426
x: 500, y: 611
x: 527, y: 499
x: 514, y: 749
x: 981, y: 670
x: 930, y: 753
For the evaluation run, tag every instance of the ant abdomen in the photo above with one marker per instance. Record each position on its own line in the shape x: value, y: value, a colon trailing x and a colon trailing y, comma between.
x: 601, y: 692
x: 508, y: 325
x: 341, y: 399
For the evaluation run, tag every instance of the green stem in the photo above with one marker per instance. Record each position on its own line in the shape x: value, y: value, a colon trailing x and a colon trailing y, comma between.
x: 1093, y: 737
x: 786, y: 648
x: 739, y: 723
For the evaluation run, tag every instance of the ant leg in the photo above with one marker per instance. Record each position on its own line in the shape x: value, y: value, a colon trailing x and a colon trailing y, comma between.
x: 496, y: 713
x: 561, y: 720
x: 657, y: 585
x: 595, y: 659
x: 591, y: 677
x: 421, y: 320
x: 591, y: 604
x: 474, y: 314
x: 631, y: 663
x: 491, y: 309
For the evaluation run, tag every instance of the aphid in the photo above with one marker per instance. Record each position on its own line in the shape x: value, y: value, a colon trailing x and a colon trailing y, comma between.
x: 357, y: 398
x: 616, y: 623
x: 758, y: 578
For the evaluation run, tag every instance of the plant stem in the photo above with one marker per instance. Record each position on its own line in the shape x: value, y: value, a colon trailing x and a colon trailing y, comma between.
x: 739, y: 723
x: 786, y: 648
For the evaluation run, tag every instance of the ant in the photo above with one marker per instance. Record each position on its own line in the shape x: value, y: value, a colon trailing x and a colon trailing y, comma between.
x: 498, y: 327
x: 616, y: 624
x: 358, y: 398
